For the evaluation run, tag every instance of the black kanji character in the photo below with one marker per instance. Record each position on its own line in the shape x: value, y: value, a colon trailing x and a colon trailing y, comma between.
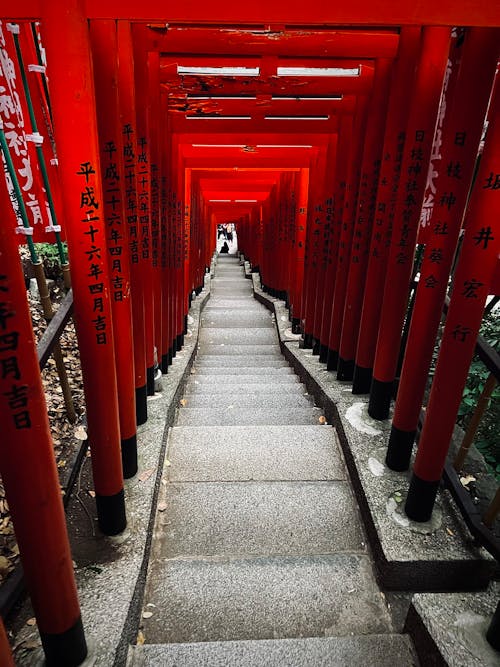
x: 470, y: 288
x: 87, y: 198
x: 460, y: 333
x: 9, y: 341
x: 484, y: 236
x: 492, y: 182
x: 86, y: 169
x: 5, y: 313
x: 9, y: 367
x: 17, y: 397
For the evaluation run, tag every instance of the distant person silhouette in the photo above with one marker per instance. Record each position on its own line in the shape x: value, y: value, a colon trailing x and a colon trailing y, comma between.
x: 225, y: 248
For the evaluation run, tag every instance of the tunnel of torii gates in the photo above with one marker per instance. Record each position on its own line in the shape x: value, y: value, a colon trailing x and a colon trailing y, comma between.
x: 338, y: 138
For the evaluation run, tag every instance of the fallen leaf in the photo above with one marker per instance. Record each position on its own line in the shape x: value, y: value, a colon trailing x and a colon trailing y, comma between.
x: 167, y: 463
x: 80, y: 433
x: 322, y: 420
x: 147, y: 614
x: 140, y: 638
x: 467, y: 480
x: 31, y: 621
x: 450, y: 532
x: 183, y: 402
x: 145, y: 474
x: 91, y: 493
x: 162, y: 507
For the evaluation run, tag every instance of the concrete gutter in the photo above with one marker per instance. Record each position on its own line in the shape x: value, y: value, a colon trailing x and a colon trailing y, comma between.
x: 111, y: 571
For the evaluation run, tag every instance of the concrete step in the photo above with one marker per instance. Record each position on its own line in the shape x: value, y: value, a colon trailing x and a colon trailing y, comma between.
x: 262, y: 598
x: 246, y: 303
x: 226, y: 318
x: 376, y: 650
x: 227, y: 453
x: 250, y: 350
x: 240, y: 336
x: 236, y: 389
x: 202, y: 370
x: 219, y: 417
x: 236, y: 361
x: 243, y: 378
x: 241, y: 519
x: 229, y: 401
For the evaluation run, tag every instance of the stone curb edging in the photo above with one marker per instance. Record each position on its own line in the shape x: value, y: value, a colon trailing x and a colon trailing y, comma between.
x: 437, y: 556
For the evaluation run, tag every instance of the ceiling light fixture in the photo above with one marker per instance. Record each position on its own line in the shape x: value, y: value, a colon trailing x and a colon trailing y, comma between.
x: 319, y: 71
x: 218, y: 71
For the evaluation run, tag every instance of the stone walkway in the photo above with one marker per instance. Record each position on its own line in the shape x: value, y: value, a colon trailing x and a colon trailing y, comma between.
x: 258, y: 554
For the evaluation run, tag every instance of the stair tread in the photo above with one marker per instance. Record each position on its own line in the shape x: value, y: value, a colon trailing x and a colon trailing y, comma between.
x: 218, y: 453
x: 380, y: 650
x: 250, y: 415
x: 262, y: 598
x: 257, y: 518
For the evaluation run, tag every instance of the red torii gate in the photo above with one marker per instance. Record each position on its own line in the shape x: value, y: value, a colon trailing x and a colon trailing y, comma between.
x: 159, y: 225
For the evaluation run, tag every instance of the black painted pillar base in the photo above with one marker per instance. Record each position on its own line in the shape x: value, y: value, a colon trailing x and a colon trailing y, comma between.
x: 362, y: 380
x: 185, y: 326
x: 174, y: 347
x: 323, y: 353
x: 332, y: 361
x: 129, y: 456
x: 170, y: 356
x: 315, y: 346
x: 180, y: 341
x: 150, y: 380
x: 345, y: 369
x: 165, y: 362
x: 421, y: 498
x: 493, y: 632
x: 190, y: 299
x: 308, y: 341
x: 67, y: 648
x: 295, y: 325
x: 111, y: 514
x: 141, y: 405
x: 380, y: 399
x: 399, y: 449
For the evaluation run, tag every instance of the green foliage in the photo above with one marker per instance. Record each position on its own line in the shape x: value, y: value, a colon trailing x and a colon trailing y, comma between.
x: 487, y: 438
x: 49, y: 254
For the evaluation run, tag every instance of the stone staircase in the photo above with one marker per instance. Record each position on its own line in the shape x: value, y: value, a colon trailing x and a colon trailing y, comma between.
x: 258, y: 556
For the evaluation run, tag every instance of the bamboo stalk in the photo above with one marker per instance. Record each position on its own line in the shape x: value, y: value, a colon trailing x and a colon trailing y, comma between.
x: 481, y: 407
x: 48, y: 313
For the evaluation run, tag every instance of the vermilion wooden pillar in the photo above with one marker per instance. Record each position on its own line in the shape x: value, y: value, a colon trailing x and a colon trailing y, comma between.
x: 126, y: 97
x: 346, y: 233
x: 419, y: 136
x: 342, y: 159
x: 166, y: 279
x: 370, y: 170
x: 6, y: 658
x: 472, y: 280
x: 153, y: 124
x: 104, y: 52
x: 392, y: 155
x: 313, y: 246
x: 143, y: 185
x: 297, y: 261
x: 325, y: 238
x: 73, y: 107
x: 28, y: 468
x: 462, y: 133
